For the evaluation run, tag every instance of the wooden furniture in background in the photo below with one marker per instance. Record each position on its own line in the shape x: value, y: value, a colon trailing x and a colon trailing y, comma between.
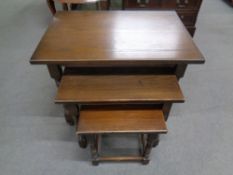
x: 186, y: 9
x: 100, y: 4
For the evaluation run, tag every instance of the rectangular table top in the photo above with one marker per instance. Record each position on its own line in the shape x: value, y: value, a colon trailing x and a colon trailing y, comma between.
x: 121, y: 121
x: 116, y: 38
x: 89, y: 89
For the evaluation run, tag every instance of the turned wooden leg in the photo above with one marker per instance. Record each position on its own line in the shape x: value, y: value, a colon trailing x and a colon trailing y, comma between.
x: 71, y: 113
x: 51, y: 6
x: 70, y: 110
x: 94, y: 149
x: 151, y: 139
x: 55, y: 72
x: 82, y: 140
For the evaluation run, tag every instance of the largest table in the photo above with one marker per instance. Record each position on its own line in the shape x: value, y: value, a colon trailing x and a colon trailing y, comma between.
x: 116, y: 42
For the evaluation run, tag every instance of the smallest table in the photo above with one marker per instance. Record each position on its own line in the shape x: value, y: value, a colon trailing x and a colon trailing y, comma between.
x: 147, y: 123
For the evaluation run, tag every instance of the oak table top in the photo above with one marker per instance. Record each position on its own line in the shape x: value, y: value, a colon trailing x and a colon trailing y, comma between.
x: 116, y: 38
x: 119, y: 89
x: 115, y: 121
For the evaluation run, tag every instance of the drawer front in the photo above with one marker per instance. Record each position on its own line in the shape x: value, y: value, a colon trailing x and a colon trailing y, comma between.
x: 162, y: 4
x: 149, y: 4
x: 188, y: 4
x: 188, y: 18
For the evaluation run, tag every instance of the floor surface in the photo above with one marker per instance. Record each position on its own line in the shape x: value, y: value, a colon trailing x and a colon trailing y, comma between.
x: 35, y: 140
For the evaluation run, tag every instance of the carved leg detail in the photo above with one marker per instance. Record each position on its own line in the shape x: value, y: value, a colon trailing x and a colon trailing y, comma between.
x: 94, y: 149
x: 82, y: 140
x: 71, y: 113
x: 151, y: 139
x: 55, y: 72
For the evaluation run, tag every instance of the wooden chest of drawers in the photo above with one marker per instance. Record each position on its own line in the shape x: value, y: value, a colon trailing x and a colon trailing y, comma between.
x: 186, y: 9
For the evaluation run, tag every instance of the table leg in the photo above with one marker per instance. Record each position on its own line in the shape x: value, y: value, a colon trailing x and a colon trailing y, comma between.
x: 166, y: 110
x: 94, y: 149
x: 179, y: 72
x: 82, y: 140
x: 55, y: 72
x: 70, y: 111
x: 151, y: 140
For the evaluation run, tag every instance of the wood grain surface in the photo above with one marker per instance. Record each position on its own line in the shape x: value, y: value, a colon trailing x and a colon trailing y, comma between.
x: 116, y: 38
x: 96, y: 121
x: 87, y: 89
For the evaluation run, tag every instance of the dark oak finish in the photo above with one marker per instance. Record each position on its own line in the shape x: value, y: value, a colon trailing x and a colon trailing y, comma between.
x: 102, y: 63
x: 55, y: 50
x: 70, y: 111
x: 123, y: 38
x: 119, y: 89
x: 99, y: 121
